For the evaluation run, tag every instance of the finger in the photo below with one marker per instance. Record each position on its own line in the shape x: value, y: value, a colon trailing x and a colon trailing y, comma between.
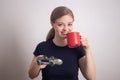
x: 41, y: 56
x: 84, y: 41
x: 42, y: 66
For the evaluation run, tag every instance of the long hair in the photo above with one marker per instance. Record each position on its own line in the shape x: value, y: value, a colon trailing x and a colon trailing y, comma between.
x: 57, y: 13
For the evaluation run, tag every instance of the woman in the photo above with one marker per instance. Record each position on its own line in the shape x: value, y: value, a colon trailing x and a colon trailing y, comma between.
x: 55, y: 45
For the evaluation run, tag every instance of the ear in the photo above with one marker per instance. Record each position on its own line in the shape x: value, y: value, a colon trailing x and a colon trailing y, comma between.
x: 52, y: 24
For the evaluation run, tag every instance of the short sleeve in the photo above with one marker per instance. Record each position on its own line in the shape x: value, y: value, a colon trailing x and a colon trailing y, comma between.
x: 38, y: 50
x: 80, y: 51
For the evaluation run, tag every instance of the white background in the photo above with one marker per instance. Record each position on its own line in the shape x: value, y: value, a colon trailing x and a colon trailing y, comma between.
x: 25, y: 23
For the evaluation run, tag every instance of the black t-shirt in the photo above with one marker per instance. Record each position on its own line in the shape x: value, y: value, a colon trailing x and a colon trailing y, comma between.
x: 70, y: 56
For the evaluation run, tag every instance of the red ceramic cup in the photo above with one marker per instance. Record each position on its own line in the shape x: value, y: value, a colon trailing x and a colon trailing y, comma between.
x: 73, y: 39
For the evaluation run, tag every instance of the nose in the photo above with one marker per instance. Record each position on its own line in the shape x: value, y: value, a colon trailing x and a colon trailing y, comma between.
x: 65, y: 28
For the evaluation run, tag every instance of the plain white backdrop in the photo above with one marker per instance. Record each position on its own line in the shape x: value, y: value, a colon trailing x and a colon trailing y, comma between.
x: 25, y: 23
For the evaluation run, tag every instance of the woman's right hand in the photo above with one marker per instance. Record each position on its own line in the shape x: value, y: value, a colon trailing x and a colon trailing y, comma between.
x: 42, y: 66
x: 34, y: 68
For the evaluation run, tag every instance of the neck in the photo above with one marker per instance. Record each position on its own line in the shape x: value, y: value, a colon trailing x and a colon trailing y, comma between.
x: 60, y: 42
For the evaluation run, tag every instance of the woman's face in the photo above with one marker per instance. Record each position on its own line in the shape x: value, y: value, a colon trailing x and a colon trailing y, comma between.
x: 62, y: 26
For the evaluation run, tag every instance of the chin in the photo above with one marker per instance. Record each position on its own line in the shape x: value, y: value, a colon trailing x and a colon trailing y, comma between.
x: 65, y: 37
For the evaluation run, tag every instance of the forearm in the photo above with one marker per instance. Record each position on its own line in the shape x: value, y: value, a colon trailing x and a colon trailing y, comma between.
x: 89, y: 66
x: 34, y: 69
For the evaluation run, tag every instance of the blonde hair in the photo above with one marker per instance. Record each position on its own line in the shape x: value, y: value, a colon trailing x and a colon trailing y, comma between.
x: 57, y: 13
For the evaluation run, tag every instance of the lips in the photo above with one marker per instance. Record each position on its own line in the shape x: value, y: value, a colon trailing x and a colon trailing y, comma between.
x: 63, y: 33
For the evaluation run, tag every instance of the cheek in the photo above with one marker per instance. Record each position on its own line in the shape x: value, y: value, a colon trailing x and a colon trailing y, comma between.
x: 57, y: 29
x: 70, y: 29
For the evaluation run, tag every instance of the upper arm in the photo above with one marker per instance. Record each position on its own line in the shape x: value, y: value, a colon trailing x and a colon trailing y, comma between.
x: 82, y: 66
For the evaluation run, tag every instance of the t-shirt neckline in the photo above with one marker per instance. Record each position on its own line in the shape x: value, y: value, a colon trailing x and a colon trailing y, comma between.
x: 57, y: 45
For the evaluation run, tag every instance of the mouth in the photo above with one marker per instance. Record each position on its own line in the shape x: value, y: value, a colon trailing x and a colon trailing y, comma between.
x: 65, y: 34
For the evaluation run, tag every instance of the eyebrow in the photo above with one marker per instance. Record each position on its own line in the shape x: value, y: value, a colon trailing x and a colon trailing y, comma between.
x: 63, y: 22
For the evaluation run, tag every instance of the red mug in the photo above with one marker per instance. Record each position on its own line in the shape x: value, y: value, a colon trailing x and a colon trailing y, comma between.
x: 73, y: 39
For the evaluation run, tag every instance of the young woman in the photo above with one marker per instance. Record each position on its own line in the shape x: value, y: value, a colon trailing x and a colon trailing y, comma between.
x: 56, y: 45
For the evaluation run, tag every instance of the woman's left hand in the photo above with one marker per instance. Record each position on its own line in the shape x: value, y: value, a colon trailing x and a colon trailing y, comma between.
x: 85, y: 42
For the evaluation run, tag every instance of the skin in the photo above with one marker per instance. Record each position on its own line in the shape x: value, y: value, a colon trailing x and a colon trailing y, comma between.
x: 62, y: 26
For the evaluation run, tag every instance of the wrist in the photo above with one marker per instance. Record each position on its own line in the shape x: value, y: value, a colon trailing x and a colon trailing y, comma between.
x: 86, y: 47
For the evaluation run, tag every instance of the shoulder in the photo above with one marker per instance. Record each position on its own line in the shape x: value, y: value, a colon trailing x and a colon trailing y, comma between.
x: 41, y: 47
x: 44, y: 43
x: 81, y: 51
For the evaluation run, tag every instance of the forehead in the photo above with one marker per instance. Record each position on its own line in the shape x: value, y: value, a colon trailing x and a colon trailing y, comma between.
x: 65, y: 18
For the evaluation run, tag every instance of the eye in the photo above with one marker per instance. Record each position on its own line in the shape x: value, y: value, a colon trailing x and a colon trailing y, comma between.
x: 70, y: 24
x: 60, y: 24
